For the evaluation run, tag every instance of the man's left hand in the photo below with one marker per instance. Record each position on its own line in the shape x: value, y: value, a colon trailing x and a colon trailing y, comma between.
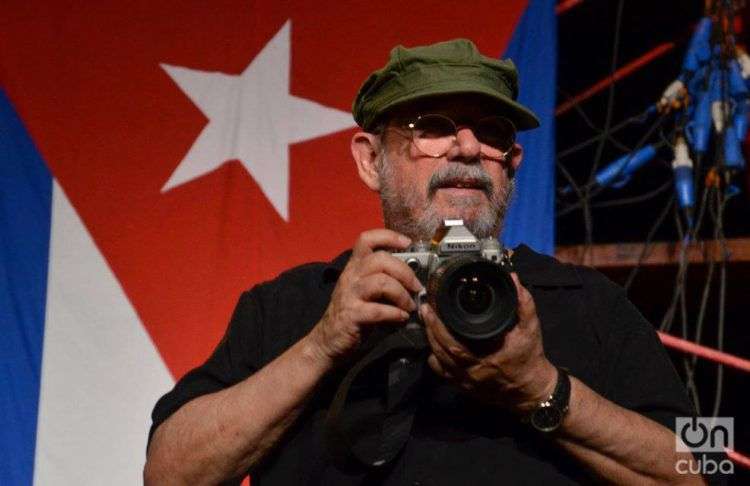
x: 513, y: 372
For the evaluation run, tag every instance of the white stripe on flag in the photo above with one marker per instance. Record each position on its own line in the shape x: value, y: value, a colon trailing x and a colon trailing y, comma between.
x: 101, y: 373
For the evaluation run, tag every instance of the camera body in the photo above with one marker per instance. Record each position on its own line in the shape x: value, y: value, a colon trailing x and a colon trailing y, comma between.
x: 467, y: 282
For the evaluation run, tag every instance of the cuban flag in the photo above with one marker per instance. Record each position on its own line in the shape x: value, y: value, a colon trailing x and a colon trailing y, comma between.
x: 157, y: 158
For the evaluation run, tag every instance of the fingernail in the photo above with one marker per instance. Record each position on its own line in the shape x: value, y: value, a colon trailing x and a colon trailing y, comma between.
x: 404, y: 315
x: 404, y: 239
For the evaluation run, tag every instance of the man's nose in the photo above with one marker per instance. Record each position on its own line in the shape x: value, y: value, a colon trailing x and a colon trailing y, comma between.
x: 466, y: 148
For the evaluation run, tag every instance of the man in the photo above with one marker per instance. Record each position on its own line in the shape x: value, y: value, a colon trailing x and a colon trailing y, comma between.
x: 578, y: 390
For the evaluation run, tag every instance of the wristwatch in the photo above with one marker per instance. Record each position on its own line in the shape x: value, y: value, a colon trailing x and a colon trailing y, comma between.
x: 549, y: 414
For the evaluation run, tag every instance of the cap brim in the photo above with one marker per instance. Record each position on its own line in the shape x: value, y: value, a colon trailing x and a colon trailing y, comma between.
x: 522, y: 117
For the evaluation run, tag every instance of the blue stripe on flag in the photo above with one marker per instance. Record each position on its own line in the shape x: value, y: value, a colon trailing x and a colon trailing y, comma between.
x: 531, y: 218
x: 25, y: 207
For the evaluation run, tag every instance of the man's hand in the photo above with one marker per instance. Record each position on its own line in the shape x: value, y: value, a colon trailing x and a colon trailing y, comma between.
x: 374, y: 288
x: 514, y: 373
x: 222, y: 435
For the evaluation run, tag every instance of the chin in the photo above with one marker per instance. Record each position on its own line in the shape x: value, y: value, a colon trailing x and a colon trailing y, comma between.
x: 481, y: 221
x: 464, y: 211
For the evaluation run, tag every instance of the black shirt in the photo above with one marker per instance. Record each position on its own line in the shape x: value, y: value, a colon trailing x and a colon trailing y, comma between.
x: 588, y: 327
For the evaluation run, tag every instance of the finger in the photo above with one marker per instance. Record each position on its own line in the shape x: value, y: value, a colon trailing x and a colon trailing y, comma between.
x: 526, y: 306
x: 516, y: 281
x: 384, y: 287
x: 458, y: 379
x: 438, y: 350
x: 377, y: 313
x: 437, y: 367
x: 444, y: 343
x: 379, y: 238
x: 382, y: 261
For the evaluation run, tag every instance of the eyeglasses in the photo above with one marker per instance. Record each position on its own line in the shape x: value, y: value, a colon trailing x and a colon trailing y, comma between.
x: 434, y: 135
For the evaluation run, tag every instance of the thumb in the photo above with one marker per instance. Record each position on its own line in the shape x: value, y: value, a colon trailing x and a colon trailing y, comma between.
x: 526, y: 306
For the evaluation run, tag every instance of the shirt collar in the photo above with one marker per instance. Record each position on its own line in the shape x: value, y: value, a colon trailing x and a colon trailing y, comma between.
x: 541, y: 270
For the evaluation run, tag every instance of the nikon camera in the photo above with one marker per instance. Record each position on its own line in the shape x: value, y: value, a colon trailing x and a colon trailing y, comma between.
x: 467, y: 282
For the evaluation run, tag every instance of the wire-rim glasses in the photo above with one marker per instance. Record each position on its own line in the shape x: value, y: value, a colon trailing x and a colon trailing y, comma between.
x: 435, y: 134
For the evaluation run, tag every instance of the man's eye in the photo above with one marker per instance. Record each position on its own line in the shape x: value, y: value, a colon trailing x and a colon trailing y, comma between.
x: 497, y: 133
x: 434, y: 127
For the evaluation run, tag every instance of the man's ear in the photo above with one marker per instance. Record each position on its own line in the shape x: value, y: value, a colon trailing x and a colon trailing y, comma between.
x: 365, y: 150
x: 515, y: 158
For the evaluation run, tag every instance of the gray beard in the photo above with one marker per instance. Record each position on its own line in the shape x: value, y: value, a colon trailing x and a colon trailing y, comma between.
x: 398, y: 207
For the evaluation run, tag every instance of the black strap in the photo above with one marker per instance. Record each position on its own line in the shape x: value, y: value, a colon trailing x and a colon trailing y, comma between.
x: 372, y: 429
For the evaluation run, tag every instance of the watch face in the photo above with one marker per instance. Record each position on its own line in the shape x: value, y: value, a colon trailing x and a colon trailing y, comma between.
x: 546, y: 418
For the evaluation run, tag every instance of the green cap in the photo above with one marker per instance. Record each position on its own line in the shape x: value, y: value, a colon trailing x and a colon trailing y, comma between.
x: 450, y: 67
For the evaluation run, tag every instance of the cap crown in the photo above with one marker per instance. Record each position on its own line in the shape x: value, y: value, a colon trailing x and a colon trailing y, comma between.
x: 449, y: 67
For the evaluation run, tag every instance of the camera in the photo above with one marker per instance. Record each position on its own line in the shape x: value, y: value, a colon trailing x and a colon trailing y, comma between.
x: 467, y: 282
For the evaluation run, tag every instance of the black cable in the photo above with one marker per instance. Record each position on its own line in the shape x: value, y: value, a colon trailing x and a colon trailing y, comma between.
x: 665, y: 141
x: 686, y: 363
x: 691, y: 236
x: 587, y: 120
x: 719, y: 236
x: 587, y: 218
x: 588, y: 225
x: 634, y: 199
x: 678, y: 298
x: 721, y: 202
x: 593, y: 193
x: 596, y: 190
x: 648, y: 242
x: 585, y: 143
x: 716, y: 207
x: 704, y: 302
x: 569, y: 177
x: 682, y: 266
x: 690, y: 375
x: 610, y: 138
x: 666, y: 322
x: 610, y: 91
x: 720, y: 338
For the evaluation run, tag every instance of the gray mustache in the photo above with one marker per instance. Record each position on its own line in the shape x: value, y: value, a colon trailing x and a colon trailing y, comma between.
x: 452, y: 172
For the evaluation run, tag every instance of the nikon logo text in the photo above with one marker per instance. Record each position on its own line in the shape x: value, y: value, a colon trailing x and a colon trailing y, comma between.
x: 470, y: 246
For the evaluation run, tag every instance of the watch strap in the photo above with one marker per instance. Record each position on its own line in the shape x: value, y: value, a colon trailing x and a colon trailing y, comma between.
x: 561, y: 394
x: 558, y: 403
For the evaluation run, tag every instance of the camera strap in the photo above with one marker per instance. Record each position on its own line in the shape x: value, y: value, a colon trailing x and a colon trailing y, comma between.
x: 372, y: 431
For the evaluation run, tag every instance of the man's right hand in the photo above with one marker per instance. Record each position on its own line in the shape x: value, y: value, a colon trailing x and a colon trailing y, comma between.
x: 374, y: 288
x: 249, y: 418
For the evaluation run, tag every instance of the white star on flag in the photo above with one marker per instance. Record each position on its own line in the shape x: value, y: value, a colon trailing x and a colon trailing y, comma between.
x: 252, y: 118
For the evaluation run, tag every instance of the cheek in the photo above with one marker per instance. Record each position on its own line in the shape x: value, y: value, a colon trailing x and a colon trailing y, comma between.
x: 497, y: 173
x: 420, y: 185
x: 415, y: 177
x: 422, y: 178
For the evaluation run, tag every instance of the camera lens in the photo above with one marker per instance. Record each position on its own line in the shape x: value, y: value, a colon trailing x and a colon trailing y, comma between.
x: 475, y: 298
x: 474, y: 295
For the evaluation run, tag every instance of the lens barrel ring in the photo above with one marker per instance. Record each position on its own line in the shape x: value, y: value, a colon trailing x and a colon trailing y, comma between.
x: 494, y: 307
